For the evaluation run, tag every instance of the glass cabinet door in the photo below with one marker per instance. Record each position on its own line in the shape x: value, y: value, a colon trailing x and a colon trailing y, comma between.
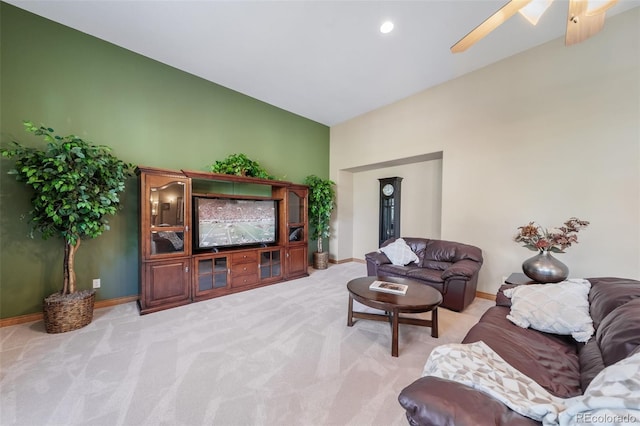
x: 166, y: 205
x: 296, y: 210
x: 270, y: 264
x: 166, y: 216
x: 212, y: 273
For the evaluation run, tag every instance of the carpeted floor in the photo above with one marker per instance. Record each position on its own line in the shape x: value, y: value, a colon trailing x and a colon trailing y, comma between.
x: 278, y: 355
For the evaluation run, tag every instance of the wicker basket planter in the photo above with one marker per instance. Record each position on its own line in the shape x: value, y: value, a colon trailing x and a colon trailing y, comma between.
x: 69, y: 312
x: 321, y: 260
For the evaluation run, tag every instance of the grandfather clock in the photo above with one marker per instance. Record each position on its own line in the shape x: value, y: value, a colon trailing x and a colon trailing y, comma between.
x: 389, y: 208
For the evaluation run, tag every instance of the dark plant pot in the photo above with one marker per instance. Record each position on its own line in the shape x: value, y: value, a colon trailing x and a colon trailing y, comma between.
x: 544, y: 268
x: 68, y: 312
x: 320, y: 260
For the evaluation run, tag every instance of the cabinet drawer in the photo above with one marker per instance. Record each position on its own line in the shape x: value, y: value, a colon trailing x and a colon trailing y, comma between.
x: 242, y: 280
x: 244, y: 257
x: 244, y: 269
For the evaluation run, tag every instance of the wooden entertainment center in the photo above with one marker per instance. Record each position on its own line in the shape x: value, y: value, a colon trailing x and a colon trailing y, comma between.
x: 173, y: 273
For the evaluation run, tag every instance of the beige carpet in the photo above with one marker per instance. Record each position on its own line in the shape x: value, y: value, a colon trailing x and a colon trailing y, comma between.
x: 279, y: 355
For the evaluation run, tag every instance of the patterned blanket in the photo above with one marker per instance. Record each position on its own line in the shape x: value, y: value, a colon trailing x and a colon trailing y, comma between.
x: 613, y: 397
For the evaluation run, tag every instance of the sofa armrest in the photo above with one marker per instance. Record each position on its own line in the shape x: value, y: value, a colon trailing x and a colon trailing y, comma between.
x: 464, y: 268
x: 435, y: 401
x: 378, y: 258
x: 375, y: 259
x: 501, y: 299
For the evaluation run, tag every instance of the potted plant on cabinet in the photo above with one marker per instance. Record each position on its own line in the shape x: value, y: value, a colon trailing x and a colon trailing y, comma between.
x: 75, y: 187
x: 240, y: 165
x: 321, y: 204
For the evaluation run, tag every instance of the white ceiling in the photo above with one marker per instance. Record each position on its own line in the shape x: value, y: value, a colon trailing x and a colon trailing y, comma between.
x: 324, y: 60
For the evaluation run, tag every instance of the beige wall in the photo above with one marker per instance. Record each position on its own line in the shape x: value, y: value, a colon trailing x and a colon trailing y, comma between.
x: 421, y: 202
x: 544, y: 135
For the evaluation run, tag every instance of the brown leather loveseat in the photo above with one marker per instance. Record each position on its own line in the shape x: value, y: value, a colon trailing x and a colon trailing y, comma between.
x: 562, y: 366
x: 449, y: 267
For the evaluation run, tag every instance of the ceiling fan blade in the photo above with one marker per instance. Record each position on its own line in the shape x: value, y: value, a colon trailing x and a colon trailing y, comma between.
x: 490, y: 24
x: 583, y: 23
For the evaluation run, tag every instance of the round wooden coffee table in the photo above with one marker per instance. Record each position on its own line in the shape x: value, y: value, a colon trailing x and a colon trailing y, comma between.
x: 419, y: 298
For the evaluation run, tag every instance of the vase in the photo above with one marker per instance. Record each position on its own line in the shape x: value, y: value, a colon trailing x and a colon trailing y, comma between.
x: 544, y: 268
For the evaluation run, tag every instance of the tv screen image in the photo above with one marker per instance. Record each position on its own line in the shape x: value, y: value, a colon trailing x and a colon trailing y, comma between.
x: 225, y: 222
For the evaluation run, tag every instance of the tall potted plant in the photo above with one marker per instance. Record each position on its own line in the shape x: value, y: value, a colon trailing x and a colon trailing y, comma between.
x: 75, y: 187
x: 321, y: 203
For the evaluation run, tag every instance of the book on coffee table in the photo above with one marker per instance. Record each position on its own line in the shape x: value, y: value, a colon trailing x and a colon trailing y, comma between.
x: 388, y: 287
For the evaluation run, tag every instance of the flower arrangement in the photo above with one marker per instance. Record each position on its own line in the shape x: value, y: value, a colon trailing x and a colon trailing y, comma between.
x: 556, y: 240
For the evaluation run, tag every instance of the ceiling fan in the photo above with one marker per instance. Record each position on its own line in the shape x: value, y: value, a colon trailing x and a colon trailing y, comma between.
x: 585, y: 18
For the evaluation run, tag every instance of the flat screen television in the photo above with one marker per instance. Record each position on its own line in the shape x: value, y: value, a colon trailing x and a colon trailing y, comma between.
x: 230, y: 222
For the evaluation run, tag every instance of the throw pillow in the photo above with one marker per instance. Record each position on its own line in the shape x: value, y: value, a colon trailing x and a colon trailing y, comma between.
x: 399, y: 253
x: 561, y: 308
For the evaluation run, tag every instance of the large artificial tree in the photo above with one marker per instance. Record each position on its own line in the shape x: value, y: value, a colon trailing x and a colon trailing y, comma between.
x: 76, y: 186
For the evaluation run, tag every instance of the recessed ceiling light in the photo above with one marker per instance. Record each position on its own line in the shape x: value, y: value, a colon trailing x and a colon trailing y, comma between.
x: 386, y: 27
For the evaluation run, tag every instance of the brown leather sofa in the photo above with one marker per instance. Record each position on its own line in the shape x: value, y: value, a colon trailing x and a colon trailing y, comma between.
x: 558, y: 363
x: 449, y: 267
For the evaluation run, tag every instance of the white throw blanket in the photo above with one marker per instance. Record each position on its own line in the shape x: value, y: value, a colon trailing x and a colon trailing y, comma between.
x: 613, y: 397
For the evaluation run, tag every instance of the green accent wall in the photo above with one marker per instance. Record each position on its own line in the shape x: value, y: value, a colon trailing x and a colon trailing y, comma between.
x: 150, y: 114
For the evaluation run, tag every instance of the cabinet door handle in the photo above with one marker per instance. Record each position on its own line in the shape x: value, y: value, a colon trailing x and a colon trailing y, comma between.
x: 186, y: 228
x: 186, y: 269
